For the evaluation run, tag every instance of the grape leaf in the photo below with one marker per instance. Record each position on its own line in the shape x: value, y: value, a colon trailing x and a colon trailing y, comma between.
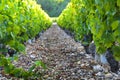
x: 115, y: 25
x: 118, y: 3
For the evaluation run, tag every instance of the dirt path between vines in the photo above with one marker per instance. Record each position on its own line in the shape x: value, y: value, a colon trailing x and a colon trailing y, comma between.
x: 65, y: 58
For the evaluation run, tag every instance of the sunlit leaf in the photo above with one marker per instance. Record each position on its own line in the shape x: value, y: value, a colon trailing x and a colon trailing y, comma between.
x: 118, y: 3
x: 40, y: 63
x: 115, y: 25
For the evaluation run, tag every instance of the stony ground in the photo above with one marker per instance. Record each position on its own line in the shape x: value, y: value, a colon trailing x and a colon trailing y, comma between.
x: 65, y: 58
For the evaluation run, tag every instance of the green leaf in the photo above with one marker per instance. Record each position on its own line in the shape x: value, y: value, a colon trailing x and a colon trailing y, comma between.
x: 7, y: 69
x: 100, y: 50
x: 16, y: 72
x: 32, y: 68
x: 118, y: 39
x: 118, y: 3
x: 3, y: 60
x: 15, y: 57
x: 85, y: 43
x: 3, y: 50
x: 12, y: 34
x: 115, y: 25
x: 116, y: 51
x: 116, y: 33
x: 16, y: 30
x: 40, y: 63
x: 97, y: 1
x: 11, y: 43
x: 20, y: 47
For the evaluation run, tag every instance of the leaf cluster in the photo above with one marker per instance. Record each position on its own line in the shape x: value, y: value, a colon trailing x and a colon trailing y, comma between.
x: 100, y: 18
x: 10, y: 69
x: 21, y: 20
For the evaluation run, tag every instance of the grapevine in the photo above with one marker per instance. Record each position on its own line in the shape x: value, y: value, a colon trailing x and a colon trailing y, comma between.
x: 20, y: 20
x: 99, y: 18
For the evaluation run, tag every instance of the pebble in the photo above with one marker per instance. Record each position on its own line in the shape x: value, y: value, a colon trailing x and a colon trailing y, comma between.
x: 91, y: 79
x: 97, y: 68
x: 3, y: 78
x: 83, y: 79
x: 116, y: 75
x: 29, y: 41
x: 79, y: 62
x: 0, y: 75
x: 100, y: 74
x: 119, y: 72
x: 79, y: 71
x: 100, y: 78
x: 73, y: 73
x: 109, y: 75
x: 32, y: 56
x: 87, y: 56
x: 82, y: 65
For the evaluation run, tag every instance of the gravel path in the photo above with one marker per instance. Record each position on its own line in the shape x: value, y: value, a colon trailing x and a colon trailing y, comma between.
x: 65, y: 58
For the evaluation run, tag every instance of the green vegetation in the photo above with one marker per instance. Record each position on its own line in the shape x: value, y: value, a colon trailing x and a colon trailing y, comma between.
x: 20, y: 21
x: 10, y: 69
x: 101, y: 18
x: 54, y: 19
x: 53, y: 7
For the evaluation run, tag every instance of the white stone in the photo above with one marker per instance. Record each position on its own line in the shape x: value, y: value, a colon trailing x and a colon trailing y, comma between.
x: 32, y: 56
x: 109, y: 75
x: 82, y: 65
x: 79, y: 62
x: 79, y: 71
x: 99, y: 74
x: 29, y: 41
x: 91, y: 79
x: 97, y: 68
x: 87, y: 56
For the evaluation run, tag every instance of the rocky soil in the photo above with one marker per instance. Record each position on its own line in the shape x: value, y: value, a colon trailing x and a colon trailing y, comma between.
x: 65, y: 58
